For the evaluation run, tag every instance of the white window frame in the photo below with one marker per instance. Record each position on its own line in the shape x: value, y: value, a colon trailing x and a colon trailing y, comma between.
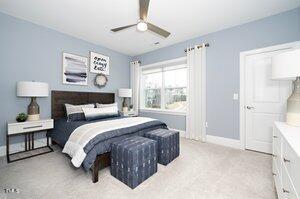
x: 159, y: 65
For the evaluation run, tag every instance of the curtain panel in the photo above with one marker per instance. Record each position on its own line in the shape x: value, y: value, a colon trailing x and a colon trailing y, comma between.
x: 135, y: 84
x: 196, y: 108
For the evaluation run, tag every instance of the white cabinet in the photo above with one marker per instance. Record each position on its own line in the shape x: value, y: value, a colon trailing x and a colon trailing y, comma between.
x: 286, y: 160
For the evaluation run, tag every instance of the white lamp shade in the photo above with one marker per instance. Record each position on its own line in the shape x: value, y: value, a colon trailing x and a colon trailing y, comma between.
x: 286, y: 65
x: 32, y: 89
x: 125, y: 92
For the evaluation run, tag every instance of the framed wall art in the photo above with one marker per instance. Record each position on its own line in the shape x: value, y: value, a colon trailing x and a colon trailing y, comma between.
x: 75, y: 69
x: 99, y: 63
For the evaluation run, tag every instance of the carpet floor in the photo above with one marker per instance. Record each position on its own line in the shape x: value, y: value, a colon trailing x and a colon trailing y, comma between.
x: 203, y: 170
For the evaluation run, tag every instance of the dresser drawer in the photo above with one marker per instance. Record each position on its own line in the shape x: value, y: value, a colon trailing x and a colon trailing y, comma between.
x: 278, y: 162
x: 287, y: 186
x: 29, y: 126
x: 291, y: 162
x: 277, y: 178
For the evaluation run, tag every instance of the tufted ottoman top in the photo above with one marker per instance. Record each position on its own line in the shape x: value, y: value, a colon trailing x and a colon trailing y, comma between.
x: 134, y: 151
x: 162, y: 132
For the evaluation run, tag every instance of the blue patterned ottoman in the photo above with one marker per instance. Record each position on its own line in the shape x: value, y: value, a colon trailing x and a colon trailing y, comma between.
x: 168, y: 144
x: 133, y: 160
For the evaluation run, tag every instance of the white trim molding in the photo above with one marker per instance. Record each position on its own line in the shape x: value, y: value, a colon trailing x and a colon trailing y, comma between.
x: 159, y: 64
x: 160, y: 111
x: 232, y: 143
x: 181, y: 62
x: 227, y: 142
x: 243, y: 56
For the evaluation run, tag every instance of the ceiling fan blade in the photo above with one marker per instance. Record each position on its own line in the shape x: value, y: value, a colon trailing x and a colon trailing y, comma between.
x: 122, y: 28
x: 158, y: 30
x: 144, y: 5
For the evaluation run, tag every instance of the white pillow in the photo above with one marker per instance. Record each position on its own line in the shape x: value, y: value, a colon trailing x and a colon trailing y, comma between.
x: 100, y: 113
x: 75, y: 112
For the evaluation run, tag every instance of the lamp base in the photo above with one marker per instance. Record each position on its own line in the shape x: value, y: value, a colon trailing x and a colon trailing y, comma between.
x: 34, y: 117
x: 293, y: 119
x: 124, y: 106
x: 293, y: 105
x: 33, y: 110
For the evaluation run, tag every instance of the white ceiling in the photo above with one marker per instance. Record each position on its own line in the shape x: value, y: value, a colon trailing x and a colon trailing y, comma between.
x: 91, y: 20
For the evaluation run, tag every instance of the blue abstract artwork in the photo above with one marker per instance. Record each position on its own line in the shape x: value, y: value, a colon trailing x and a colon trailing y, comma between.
x: 75, y: 69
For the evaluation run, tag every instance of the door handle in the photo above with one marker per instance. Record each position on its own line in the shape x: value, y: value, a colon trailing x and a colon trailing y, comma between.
x: 250, y: 107
x: 286, y: 160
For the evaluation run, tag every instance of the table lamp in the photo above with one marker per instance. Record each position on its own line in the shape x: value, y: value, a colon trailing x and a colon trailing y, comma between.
x: 286, y: 66
x: 33, y: 90
x: 125, y: 92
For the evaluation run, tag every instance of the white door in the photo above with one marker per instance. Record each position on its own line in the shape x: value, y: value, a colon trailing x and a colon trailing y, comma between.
x: 265, y: 101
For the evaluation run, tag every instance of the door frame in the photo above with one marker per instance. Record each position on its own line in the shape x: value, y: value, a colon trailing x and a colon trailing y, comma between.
x: 243, y: 56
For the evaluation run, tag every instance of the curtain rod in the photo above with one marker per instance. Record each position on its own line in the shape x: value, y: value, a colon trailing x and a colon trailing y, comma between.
x: 138, y: 61
x: 199, y: 46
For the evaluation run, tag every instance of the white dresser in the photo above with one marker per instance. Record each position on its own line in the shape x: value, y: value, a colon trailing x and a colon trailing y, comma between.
x: 286, y: 160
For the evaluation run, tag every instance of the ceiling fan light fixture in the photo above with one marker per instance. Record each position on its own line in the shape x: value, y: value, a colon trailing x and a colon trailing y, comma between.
x: 142, y: 26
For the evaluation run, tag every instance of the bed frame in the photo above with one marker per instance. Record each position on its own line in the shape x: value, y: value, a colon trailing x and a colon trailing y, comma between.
x: 59, y: 98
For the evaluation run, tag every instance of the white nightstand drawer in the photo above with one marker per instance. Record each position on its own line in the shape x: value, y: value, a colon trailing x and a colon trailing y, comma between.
x: 15, y: 128
x: 128, y: 114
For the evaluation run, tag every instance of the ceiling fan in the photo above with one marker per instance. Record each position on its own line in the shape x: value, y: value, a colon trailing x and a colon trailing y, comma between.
x: 143, y: 24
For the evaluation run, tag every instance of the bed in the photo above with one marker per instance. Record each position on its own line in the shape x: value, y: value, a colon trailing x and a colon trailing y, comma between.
x: 97, y: 150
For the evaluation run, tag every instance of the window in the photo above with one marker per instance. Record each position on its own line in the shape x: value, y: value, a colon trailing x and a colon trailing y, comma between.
x: 164, y: 88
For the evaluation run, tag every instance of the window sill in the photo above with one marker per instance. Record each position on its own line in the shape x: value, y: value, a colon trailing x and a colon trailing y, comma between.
x: 148, y: 110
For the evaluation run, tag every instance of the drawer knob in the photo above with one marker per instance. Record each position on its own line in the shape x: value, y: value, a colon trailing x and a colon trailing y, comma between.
x: 275, y: 136
x: 285, y: 191
x: 286, y: 160
x: 274, y: 174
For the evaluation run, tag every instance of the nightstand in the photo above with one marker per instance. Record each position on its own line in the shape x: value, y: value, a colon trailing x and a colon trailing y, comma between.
x: 128, y: 114
x: 28, y: 129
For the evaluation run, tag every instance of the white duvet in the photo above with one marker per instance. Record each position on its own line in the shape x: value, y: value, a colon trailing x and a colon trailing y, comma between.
x: 83, y: 134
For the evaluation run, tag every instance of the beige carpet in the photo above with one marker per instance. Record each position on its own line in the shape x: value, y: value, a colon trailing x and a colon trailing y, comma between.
x: 202, y: 171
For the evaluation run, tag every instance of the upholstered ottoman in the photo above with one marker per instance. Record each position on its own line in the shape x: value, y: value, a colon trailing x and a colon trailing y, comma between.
x: 168, y: 144
x: 133, y: 160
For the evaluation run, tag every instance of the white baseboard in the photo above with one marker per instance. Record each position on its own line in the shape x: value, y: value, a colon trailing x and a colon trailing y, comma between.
x: 224, y: 141
x: 217, y: 140
x: 16, y: 147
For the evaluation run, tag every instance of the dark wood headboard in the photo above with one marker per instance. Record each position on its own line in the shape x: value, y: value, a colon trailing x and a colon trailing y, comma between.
x: 59, y: 98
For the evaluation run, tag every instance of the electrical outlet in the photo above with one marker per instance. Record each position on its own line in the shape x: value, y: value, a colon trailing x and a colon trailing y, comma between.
x: 235, y: 96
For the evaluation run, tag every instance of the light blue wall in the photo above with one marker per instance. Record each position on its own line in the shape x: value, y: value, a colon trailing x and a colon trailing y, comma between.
x: 223, y: 66
x: 32, y: 52
x: 173, y: 121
